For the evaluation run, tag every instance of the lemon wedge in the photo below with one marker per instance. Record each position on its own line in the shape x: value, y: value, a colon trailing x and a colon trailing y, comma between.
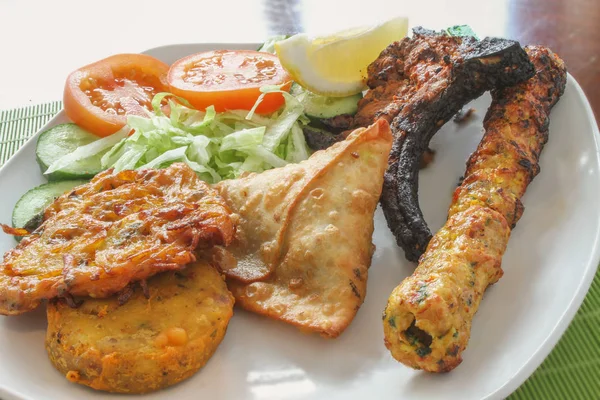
x: 336, y: 65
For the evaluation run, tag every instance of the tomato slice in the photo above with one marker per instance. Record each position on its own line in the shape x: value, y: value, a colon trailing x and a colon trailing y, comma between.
x: 229, y: 80
x: 98, y: 96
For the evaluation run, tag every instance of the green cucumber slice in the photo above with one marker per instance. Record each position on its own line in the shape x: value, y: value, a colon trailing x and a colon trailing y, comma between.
x: 29, y: 210
x: 61, y: 140
x: 328, y: 107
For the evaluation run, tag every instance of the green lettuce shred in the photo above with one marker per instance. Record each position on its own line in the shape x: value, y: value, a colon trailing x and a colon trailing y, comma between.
x: 215, y: 145
x: 269, y: 45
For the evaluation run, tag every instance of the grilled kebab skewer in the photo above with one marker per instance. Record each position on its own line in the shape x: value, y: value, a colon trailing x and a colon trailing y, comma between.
x: 427, y: 321
x: 417, y: 85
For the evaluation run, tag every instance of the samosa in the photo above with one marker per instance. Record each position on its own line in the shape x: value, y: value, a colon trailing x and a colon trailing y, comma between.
x: 303, y: 246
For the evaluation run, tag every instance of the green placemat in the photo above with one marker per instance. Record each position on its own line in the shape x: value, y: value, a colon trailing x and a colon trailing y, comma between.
x: 16, y: 126
x: 571, y: 371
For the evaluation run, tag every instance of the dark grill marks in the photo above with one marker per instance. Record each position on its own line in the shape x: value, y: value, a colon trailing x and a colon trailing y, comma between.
x: 418, y: 84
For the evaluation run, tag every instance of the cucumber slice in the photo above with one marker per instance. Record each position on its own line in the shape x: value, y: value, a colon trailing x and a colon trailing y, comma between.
x: 328, y: 107
x: 61, y: 140
x: 29, y: 210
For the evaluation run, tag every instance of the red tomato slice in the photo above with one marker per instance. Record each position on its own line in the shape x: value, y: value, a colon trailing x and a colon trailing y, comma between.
x: 229, y: 80
x: 98, y: 96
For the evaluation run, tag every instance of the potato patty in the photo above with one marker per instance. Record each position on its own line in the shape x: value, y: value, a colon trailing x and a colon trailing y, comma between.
x: 147, y: 343
x: 120, y: 227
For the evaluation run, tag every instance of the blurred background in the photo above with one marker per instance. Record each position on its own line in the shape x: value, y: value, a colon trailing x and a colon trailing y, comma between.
x: 42, y: 41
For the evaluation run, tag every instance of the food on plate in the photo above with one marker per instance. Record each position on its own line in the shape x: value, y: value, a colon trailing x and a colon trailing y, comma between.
x: 269, y: 45
x: 324, y: 107
x: 303, y: 246
x: 29, y: 210
x: 97, y: 97
x: 60, y: 141
x: 417, y: 85
x: 215, y: 145
x: 216, y: 142
x: 133, y: 264
x: 120, y: 227
x: 427, y: 321
x: 153, y: 340
x: 339, y: 123
x: 335, y: 65
x: 319, y: 138
x: 328, y: 117
x: 229, y: 80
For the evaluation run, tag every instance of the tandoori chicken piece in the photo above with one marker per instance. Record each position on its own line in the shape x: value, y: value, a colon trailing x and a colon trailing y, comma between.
x: 417, y: 85
x: 427, y: 321
x: 120, y: 227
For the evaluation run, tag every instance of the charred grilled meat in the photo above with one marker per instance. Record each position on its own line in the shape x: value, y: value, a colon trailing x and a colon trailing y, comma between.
x: 427, y: 321
x: 120, y: 227
x: 339, y: 123
x: 417, y: 85
x: 321, y: 139
x: 322, y: 133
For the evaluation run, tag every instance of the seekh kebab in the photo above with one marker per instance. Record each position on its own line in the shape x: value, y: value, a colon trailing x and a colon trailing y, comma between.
x: 427, y: 321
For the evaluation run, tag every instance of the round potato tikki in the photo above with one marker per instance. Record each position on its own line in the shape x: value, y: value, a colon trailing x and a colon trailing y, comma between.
x: 156, y: 337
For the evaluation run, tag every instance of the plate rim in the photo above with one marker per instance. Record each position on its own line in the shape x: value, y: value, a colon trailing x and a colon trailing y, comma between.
x: 544, y: 348
x: 558, y: 331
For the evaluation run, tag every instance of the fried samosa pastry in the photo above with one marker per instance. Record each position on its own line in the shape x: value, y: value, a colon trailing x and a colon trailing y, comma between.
x: 304, y: 236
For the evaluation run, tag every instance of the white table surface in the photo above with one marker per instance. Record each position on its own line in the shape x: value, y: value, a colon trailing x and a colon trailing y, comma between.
x: 42, y: 41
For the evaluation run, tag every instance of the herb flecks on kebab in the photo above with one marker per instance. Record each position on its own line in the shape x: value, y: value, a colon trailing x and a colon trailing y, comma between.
x: 427, y: 321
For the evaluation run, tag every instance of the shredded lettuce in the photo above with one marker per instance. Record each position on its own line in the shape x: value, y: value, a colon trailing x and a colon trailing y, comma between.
x: 269, y: 45
x: 216, y: 145
x: 89, y: 150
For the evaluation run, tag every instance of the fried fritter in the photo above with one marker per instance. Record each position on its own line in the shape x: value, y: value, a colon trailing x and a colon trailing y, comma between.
x: 147, y: 343
x: 120, y: 227
x: 427, y: 321
x: 305, y: 233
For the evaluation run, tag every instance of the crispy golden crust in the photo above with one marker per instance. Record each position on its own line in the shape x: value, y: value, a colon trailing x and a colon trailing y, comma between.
x: 145, y: 344
x: 264, y: 203
x: 318, y: 247
x: 119, y: 228
x: 427, y: 321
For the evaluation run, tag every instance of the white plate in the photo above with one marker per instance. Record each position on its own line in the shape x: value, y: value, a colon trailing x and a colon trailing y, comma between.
x: 551, y: 260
